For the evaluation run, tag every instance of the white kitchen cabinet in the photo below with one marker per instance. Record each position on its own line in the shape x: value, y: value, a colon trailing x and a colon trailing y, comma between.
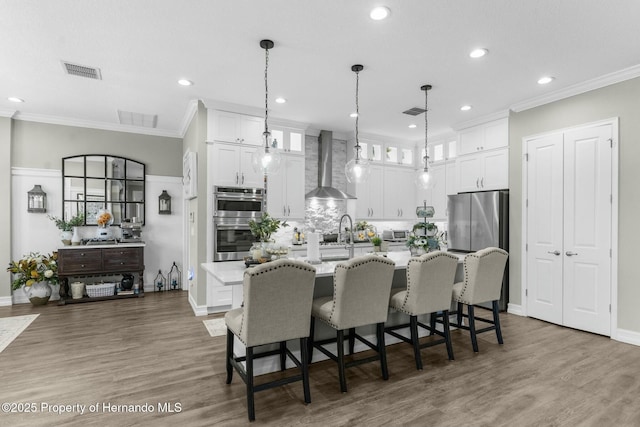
x: 233, y: 127
x: 451, y: 170
x: 399, y: 154
x: 285, y: 189
x: 399, y: 193
x: 487, y: 136
x: 369, y: 204
x: 231, y: 165
x: 487, y: 170
x: 288, y: 140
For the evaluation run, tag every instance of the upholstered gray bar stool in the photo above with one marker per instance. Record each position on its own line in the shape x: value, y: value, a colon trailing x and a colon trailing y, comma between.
x: 430, y: 280
x: 361, y: 288
x: 483, y: 274
x: 277, y: 308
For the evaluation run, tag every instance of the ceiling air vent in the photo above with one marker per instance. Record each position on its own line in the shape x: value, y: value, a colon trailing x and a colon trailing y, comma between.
x: 414, y: 111
x: 137, y: 119
x: 82, y: 71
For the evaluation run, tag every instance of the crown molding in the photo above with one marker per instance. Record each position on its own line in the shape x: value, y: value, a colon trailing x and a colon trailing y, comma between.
x: 7, y: 113
x: 192, y: 109
x: 577, y: 89
x: 64, y: 121
x: 213, y: 104
x: 481, y: 120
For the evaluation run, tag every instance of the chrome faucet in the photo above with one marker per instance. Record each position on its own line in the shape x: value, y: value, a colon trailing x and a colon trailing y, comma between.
x: 350, y: 247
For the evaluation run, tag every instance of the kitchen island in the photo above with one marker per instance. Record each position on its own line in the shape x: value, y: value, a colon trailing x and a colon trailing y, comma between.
x: 227, y: 277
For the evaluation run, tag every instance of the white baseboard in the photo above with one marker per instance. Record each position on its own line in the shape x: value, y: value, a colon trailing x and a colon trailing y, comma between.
x: 515, y: 309
x: 4, y: 301
x: 198, y: 310
x: 629, y: 337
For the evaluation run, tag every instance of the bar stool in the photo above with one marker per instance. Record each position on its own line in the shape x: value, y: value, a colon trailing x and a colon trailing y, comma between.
x: 483, y: 274
x: 430, y: 280
x: 277, y: 307
x: 361, y: 290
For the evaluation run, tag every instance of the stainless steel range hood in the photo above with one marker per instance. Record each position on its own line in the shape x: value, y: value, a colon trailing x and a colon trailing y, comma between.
x: 325, y: 189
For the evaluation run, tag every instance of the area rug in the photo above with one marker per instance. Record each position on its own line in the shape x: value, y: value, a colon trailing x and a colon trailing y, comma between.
x: 216, y: 327
x: 11, y: 327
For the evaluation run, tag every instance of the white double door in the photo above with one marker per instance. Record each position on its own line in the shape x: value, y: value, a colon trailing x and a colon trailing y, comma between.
x: 568, y: 228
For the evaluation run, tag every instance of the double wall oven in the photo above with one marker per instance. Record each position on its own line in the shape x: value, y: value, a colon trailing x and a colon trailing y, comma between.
x: 233, y: 208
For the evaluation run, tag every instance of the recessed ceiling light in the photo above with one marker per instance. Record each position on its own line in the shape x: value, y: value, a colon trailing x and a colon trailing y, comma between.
x: 465, y: 108
x: 379, y: 13
x: 281, y: 100
x: 545, y: 80
x: 185, y: 82
x: 353, y: 115
x: 14, y: 99
x: 478, y: 53
x: 412, y: 126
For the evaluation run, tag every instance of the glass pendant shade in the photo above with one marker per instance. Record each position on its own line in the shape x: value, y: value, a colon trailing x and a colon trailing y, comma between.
x: 357, y: 170
x: 266, y: 159
x: 425, y: 179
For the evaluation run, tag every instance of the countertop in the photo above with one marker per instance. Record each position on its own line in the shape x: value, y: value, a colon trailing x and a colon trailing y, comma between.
x: 231, y: 272
x: 112, y: 245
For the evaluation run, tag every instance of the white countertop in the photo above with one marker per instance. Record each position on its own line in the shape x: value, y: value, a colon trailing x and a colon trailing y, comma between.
x: 112, y: 245
x: 231, y: 272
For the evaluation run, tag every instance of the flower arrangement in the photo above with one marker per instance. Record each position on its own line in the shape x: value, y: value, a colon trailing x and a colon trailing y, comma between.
x: 267, y: 225
x: 422, y: 243
x: 68, y: 225
x: 34, y: 268
x: 104, y: 218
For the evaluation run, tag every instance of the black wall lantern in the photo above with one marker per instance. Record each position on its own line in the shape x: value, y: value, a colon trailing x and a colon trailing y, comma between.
x: 164, y: 203
x: 36, y: 200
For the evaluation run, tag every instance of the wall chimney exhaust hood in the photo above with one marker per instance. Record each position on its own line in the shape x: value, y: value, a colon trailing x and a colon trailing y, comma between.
x: 325, y: 190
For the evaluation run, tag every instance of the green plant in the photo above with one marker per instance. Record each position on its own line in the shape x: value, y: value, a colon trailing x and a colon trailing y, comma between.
x: 429, y: 226
x: 68, y: 225
x: 377, y: 241
x: 264, y: 228
x: 34, y: 268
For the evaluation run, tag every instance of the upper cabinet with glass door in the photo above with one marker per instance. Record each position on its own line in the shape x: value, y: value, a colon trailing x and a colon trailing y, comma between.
x: 94, y: 182
x: 399, y: 154
x: 439, y: 151
x: 287, y: 139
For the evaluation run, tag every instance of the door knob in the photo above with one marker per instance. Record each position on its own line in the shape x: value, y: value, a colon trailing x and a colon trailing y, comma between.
x: 556, y: 253
x: 569, y: 253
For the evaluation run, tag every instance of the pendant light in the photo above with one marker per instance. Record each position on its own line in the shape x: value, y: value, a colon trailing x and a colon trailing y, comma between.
x: 424, y: 179
x: 357, y: 169
x: 266, y: 159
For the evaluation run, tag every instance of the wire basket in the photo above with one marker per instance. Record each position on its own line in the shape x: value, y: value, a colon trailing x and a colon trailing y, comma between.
x: 101, y: 290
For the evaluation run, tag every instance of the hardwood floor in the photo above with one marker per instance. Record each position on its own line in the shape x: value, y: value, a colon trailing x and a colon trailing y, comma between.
x: 154, y: 350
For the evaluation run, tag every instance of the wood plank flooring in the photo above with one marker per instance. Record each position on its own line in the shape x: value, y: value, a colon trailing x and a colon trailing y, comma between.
x: 154, y: 350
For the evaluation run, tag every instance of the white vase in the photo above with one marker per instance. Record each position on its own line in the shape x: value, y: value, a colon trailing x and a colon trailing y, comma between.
x: 75, y: 239
x: 38, y: 293
x: 65, y: 236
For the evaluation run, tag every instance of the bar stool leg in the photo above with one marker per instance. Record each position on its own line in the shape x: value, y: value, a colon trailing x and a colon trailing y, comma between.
x: 352, y: 339
x: 496, y: 319
x: 229, y: 355
x: 472, y: 328
x: 283, y: 355
x: 413, y: 327
x: 310, y: 341
x: 432, y: 323
x: 249, y: 369
x: 304, y: 366
x: 341, y: 373
x: 447, y: 333
x: 382, y: 352
x: 459, y: 315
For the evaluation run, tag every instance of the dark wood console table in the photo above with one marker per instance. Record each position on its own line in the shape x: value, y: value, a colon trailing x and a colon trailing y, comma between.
x: 99, y: 261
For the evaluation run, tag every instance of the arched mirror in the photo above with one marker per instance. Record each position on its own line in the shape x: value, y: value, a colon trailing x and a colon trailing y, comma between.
x: 92, y: 182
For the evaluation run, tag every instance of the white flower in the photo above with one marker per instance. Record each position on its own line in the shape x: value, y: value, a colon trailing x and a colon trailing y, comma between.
x: 48, y: 274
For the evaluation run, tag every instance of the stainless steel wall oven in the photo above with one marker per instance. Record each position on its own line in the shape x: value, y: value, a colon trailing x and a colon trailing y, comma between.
x: 233, y: 208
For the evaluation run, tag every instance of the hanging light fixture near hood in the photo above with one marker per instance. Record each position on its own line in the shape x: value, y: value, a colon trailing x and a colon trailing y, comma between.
x: 424, y: 179
x: 266, y: 159
x: 357, y: 169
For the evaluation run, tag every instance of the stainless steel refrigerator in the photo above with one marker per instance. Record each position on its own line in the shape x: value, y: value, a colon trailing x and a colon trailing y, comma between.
x: 477, y: 221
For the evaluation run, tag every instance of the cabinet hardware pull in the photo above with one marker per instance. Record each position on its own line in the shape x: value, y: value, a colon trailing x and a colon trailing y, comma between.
x: 288, y: 210
x: 556, y: 253
x: 236, y: 177
x: 477, y: 180
x: 482, y: 182
x: 82, y: 265
x: 82, y: 254
x: 569, y: 253
x: 242, y: 177
x: 284, y: 210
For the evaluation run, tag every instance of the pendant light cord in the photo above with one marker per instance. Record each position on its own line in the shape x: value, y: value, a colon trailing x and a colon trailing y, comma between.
x: 426, y: 129
x: 266, y: 94
x: 358, y: 148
